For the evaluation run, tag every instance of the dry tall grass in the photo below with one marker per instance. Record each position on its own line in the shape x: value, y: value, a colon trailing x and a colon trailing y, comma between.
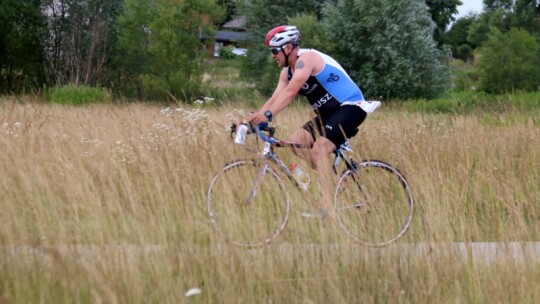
x: 107, y: 204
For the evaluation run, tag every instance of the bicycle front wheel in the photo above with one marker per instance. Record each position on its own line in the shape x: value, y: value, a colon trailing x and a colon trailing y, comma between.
x: 248, y: 203
x: 375, y: 205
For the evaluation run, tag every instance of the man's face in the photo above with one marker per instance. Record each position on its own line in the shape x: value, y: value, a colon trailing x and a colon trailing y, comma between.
x: 278, y: 56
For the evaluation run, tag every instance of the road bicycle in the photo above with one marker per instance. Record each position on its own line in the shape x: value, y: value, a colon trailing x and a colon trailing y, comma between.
x: 249, y: 204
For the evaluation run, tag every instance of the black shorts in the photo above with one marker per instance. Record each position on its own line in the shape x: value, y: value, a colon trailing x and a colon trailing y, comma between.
x: 339, y: 126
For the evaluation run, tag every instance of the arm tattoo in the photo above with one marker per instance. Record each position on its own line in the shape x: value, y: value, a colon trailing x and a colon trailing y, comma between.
x: 299, y: 64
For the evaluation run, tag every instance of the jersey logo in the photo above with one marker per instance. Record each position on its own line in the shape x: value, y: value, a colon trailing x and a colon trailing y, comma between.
x: 333, y: 78
x: 321, y: 102
x: 312, y: 89
x: 307, y: 89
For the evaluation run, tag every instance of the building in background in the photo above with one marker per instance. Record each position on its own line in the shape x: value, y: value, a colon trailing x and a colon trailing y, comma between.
x: 232, y: 33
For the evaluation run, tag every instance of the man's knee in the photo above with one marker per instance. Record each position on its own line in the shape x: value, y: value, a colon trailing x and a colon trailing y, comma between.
x: 321, y: 149
x: 301, y: 136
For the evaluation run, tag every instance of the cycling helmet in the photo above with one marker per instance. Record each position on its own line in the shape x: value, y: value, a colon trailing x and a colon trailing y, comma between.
x: 281, y: 35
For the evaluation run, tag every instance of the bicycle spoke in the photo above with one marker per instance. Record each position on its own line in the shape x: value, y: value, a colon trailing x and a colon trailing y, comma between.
x: 256, y: 184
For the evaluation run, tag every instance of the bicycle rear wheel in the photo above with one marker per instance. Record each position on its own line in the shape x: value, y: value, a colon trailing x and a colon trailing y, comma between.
x: 248, y: 202
x: 375, y: 205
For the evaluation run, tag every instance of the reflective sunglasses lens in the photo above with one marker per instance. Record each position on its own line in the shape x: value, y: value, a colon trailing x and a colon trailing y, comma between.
x: 274, y: 51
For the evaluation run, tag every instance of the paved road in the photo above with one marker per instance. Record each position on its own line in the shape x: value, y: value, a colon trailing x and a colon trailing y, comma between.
x: 483, y: 253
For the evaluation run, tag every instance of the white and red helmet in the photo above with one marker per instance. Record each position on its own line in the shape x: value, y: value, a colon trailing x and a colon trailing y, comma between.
x: 281, y: 35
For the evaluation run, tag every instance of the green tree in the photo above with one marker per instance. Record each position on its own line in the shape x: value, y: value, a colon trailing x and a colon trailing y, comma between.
x: 265, y: 14
x: 492, y: 5
x: 388, y: 47
x: 457, y: 38
x: 132, y: 56
x: 160, y: 46
x: 313, y: 32
x: 527, y: 15
x: 504, y: 15
x: 229, y: 8
x: 510, y: 62
x: 479, y: 30
x: 22, y: 62
x: 80, y: 38
x: 442, y: 13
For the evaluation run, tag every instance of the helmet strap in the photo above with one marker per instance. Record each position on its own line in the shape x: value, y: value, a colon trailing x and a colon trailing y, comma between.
x: 287, y: 55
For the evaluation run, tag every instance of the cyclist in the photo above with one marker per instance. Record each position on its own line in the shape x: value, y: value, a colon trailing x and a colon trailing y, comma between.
x: 331, y: 93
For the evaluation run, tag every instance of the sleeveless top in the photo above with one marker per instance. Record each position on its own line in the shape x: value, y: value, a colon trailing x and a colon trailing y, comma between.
x: 330, y: 88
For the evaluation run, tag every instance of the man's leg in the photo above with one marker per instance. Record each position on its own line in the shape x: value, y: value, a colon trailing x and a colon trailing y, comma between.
x: 322, y: 148
x: 302, y: 136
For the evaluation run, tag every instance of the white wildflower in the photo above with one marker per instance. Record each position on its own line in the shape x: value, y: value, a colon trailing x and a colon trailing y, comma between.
x: 124, y: 151
x: 236, y: 115
x: 204, y: 100
x: 92, y: 142
x: 167, y: 112
x: 193, y: 292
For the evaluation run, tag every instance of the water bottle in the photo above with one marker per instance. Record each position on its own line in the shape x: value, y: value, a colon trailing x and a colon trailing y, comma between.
x: 301, y: 177
x: 241, y: 134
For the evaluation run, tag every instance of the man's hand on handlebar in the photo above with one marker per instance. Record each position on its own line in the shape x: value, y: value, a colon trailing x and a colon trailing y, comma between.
x: 256, y: 118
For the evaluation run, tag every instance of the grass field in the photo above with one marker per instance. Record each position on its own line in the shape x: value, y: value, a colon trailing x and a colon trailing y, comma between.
x: 136, y: 175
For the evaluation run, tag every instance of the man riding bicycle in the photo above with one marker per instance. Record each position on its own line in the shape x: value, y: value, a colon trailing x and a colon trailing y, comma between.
x: 331, y: 93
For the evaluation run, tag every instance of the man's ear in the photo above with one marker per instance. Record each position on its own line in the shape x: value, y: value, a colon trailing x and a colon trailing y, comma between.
x: 289, y: 48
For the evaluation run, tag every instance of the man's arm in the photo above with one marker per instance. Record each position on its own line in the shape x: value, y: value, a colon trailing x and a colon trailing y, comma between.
x: 281, y: 84
x: 303, y: 69
x: 287, y: 90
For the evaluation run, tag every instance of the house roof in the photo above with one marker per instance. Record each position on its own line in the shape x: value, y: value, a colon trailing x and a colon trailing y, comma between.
x: 231, y: 36
x: 235, y: 24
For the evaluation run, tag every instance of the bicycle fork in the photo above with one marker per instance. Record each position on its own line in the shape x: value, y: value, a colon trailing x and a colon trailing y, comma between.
x: 256, y: 183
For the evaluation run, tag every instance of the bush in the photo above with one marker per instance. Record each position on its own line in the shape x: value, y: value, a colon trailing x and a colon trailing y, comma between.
x: 78, y: 95
x: 467, y: 102
x: 313, y: 32
x: 387, y: 47
x: 226, y: 52
x: 510, y: 62
x: 464, y: 76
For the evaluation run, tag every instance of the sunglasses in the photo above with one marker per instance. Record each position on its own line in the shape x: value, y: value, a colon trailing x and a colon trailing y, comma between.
x: 275, y: 51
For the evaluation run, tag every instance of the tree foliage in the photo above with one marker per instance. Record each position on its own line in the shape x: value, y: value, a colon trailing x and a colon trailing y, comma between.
x: 153, y: 49
x: 458, y: 38
x: 262, y: 15
x: 388, y: 47
x: 229, y: 9
x: 510, y: 62
x: 22, y: 64
x: 527, y: 15
x: 442, y: 13
x: 80, y: 39
x: 504, y: 15
x: 313, y: 32
x: 492, y: 5
x: 160, y: 47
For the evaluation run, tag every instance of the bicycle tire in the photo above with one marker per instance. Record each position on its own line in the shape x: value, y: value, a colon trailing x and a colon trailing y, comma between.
x: 374, y: 206
x: 248, y: 203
